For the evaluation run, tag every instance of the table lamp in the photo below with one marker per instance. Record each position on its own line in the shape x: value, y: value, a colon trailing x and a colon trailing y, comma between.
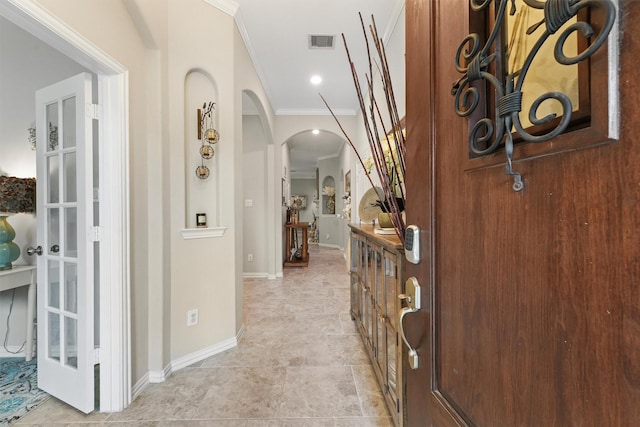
x: 16, y: 195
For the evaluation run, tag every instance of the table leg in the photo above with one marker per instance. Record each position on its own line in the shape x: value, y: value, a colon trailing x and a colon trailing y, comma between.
x: 31, y: 305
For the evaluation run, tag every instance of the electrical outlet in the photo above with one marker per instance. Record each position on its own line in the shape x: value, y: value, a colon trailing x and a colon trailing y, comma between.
x: 250, y: 257
x: 328, y: 236
x: 192, y: 317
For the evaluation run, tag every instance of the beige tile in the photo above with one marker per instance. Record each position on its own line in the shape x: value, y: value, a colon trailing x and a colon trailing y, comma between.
x: 245, y: 392
x: 170, y: 400
x: 206, y: 423
x: 364, y: 422
x: 55, y: 411
x: 371, y: 399
x: 300, y: 363
x: 309, y: 422
x: 325, y: 391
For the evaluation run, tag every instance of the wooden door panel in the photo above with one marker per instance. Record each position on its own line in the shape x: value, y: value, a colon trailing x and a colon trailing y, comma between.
x: 533, y: 307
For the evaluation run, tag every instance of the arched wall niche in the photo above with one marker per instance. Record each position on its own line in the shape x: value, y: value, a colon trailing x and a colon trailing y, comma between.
x: 328, y: 195
x: 202, y: 195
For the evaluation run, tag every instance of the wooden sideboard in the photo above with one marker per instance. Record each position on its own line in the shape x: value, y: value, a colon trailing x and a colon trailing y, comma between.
x: 296, y: 242
x: 376, y: 268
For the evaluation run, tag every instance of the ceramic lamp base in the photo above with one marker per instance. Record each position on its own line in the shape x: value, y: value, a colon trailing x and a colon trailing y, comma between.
x: 9, y: 251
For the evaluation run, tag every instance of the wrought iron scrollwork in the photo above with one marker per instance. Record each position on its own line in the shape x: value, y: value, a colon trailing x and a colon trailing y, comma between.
x: 474, y: 60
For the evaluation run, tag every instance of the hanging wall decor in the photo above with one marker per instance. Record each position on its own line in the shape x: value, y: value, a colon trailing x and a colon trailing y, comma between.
x: 208, y: 136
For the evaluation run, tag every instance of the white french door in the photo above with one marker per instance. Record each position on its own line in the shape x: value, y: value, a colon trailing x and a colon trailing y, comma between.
x: 66, y: 234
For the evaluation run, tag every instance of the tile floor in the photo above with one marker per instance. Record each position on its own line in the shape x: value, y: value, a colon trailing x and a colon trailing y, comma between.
x: 299, y: 363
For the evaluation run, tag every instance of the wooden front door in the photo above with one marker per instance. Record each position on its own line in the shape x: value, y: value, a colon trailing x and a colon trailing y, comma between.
x: 531, y: 299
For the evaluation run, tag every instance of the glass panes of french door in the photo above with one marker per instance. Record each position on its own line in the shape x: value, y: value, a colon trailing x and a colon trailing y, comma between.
x: 62, y: 240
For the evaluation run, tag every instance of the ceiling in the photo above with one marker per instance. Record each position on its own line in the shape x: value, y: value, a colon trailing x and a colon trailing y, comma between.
x: 277, y: 36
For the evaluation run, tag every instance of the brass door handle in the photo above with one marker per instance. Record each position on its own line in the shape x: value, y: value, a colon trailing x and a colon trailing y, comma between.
x: 413, y: 301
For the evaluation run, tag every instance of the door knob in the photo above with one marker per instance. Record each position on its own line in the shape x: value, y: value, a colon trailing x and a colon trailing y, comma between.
x: 34, y: 251
x: 55, y: 249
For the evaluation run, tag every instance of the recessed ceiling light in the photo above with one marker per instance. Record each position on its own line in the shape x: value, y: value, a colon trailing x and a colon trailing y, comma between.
x: 315, y: 131
x: 316, y: 80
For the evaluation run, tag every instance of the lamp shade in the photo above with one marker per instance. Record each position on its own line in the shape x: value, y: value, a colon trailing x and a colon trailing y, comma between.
x: 16, y: 195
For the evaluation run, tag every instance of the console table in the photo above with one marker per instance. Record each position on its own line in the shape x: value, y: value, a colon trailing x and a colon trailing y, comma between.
x: 291, y: 231
x: 18, y: 276
x: 376, y: 267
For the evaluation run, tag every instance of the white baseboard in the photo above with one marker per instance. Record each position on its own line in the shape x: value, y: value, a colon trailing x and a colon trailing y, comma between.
x: 255, y: 275
x: 240, y: 334
x: 200, y: 355
x: 139, y: 386
x: 159, y: 376
x: 154, y: 377
x: 326, y: 245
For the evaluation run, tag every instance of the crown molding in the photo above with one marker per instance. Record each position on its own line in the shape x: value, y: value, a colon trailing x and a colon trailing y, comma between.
x: 393, y: 22
x: 314, y: 112
x: 233, y: 9
x: 242, y: 29
x: 229, y: 7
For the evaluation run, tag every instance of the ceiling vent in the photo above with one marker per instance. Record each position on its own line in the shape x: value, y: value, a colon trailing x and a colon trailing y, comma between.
x: 319, y: 41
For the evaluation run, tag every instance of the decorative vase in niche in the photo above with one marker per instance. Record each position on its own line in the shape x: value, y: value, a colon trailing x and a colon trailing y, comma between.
x: 9, y: 251
x: 331, y: 205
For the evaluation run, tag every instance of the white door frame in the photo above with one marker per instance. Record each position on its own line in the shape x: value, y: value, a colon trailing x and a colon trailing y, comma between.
x: 115, y: 336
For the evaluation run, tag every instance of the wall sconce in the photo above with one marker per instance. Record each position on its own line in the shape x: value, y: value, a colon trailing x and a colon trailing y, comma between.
x: 208, y: 136
x: 31, y: 139
x: 53, y: 136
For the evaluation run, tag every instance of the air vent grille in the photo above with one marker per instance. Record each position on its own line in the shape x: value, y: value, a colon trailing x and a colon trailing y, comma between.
x: 320, y: 41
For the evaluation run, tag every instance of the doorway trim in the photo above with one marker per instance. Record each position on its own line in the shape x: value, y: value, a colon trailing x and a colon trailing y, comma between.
x: 114, y: 355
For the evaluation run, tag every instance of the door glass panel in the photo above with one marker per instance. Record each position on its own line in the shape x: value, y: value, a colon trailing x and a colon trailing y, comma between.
x: 54, y: 284
x: 379, y: 281
x: 69, y: 162
x: 391, y: 286
x: 96, y: 173
x: 53, y: 228
x: 545, y: 71
x: 53, y: 171
x: 71, y: 287
x: 381, y: 346
x: 70, y: 232
x: 69, y: 122
x: 367, y: 316
x: 53, y: 344
x: 52, y: 126
x: 391, y: 361
x: 71, y: 342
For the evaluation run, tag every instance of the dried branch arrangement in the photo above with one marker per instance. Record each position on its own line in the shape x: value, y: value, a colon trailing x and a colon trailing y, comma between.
x: 387, y: 145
